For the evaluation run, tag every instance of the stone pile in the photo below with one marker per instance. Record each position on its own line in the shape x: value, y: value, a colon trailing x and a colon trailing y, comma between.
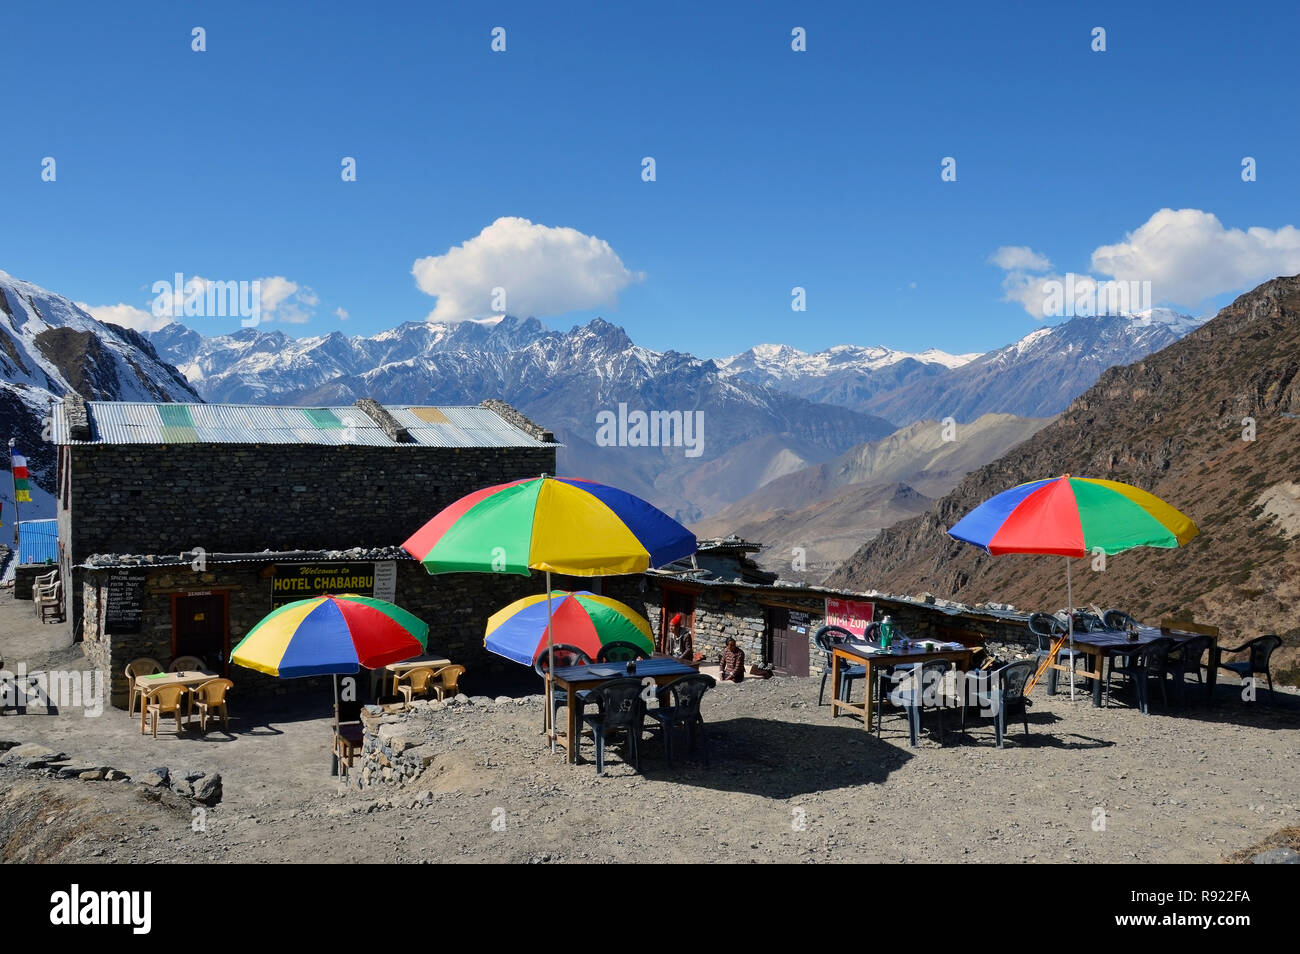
x: 197, y: 787
x: 398, y: 744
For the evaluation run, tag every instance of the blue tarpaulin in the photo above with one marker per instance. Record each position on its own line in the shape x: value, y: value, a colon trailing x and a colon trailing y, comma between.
x: 38, y: 541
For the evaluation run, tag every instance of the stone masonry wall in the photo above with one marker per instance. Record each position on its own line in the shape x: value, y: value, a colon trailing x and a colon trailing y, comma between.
x: 456, y: 606
x: 235, y: 498
x: 722, y: 613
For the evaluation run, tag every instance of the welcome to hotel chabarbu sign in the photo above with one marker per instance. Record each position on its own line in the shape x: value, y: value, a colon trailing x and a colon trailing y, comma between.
x: 302, y: 581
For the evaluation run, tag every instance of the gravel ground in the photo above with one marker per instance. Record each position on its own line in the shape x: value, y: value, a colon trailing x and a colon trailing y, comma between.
x: 787, y: 783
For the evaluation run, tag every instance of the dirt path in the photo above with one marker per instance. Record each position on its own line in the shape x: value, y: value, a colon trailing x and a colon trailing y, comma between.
x: 787, y: 783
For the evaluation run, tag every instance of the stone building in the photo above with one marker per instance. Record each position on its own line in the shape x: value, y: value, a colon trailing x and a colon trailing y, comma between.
x: 182, y: 525
x: 722, y: 594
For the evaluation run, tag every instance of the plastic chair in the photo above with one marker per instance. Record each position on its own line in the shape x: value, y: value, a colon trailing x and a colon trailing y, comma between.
x: 620, y: 708
x: 679, y: 704
x: 1184, y: 660
x: 619, y: 651
x: 186, y: 664
x: 1261, y: 650
x: 448, y: 683
x: 565, y: 655
x: 825, y: 639
x: 912, y: 696
x: 1047, y: 629
x: 1141, y: 663
x: 144, y: 666
x: 166, y: 700
x: 1010, y: 699
x: 210, y: 700
x: 414, y: 682
x: 49, y: 605
x: 1118, y: 620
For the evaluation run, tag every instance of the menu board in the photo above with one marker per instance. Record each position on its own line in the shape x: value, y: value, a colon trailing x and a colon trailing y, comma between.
x: 123, y: 595
x: 799, y: 621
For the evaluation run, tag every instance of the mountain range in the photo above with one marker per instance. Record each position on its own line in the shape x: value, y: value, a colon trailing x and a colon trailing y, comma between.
x: 764, y: 414
x: 1211, y: 424
x: 768, y: 412
x: 50, y: 347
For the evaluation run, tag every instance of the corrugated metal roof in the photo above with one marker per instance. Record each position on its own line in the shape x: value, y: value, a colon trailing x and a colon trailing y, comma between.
x: 38, y: 541
x: 124, y: 422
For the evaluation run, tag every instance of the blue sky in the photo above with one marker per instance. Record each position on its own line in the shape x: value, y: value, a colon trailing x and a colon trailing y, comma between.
x: 774, y: 168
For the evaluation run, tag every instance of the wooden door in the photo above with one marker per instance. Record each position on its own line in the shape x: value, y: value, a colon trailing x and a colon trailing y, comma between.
x: 200, y: 627
x: 787, y: 641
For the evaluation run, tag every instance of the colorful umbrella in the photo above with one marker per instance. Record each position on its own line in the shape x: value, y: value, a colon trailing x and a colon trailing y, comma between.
x: 1073, y: 517
x: 331, y: 635
x: 559, y: 524
x: 583, y: 620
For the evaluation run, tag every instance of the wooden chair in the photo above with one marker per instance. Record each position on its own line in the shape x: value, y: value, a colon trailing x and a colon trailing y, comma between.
x: 144, y: 666
x: 448, y: 681
x: 348, y: 733
x: 414, y: 682
x: 163, y: 701
x: 186, y: 664
x: 210, y: 698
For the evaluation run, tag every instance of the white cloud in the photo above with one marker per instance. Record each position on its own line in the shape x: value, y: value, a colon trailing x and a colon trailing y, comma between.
x: 279, y: 298
x: 286, y: 301
x: 342, y: 314
x: 128, y: 316
x: 542, y: 270
x: 1187, y: 255
x: 1020, y: 258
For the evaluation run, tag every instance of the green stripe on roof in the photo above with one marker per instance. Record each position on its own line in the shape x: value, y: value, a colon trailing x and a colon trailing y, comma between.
x: 322, y: 418
x: 175, y: 415
x: 177, y: 424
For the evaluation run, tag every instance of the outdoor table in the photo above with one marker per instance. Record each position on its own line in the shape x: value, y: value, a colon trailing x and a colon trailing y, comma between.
x: 430, y: 660
x: 1103, y: 644
x: 186, y: 677
x: 574, y: 678
x: 870, y: 654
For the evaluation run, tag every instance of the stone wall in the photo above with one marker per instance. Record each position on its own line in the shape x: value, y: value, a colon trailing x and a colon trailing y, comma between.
x: 233, y: 498
x: 723, y: 612
x: 456, y: 606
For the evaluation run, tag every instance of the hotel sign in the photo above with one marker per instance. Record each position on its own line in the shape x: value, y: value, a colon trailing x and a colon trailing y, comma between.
x: 303, y: 581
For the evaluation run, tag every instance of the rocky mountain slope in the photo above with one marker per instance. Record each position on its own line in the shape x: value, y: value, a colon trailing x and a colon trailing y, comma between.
x: 829, y: 510
x: 50, y: 347
x: 1210, y: 423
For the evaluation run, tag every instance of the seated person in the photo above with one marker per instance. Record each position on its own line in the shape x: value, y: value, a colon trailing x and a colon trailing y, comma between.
x: 679, y: 643
x: 733, y: 662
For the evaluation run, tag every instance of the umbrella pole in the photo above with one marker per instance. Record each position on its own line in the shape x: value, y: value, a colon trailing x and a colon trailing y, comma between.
x: 550, y: 662
x: 334, y: 746
x: 1069, y: 596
